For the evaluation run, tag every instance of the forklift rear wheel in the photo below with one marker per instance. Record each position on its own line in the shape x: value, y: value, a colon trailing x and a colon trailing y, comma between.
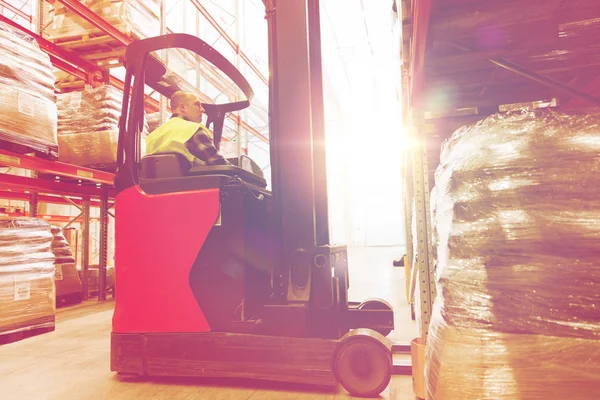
x: 362, y: 363
x: 377, y: 304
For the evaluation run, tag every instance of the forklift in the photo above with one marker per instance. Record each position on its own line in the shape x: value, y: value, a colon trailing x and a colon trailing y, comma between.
x: 216, y: 276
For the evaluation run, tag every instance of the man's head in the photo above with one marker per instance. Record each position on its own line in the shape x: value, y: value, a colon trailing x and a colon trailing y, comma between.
x: 187, y: 105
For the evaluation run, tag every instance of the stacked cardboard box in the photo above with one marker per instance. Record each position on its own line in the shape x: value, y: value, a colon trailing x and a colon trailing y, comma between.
x: 88, y: 126
x: 27, y: 290
x: 132, y: 17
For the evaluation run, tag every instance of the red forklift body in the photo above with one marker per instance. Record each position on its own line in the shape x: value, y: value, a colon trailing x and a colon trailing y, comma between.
x: 154, y: 233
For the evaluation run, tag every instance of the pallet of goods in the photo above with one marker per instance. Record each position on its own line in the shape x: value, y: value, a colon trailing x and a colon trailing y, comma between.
x: 135, y: 18
x: 517, y: 312
x: 27, y: 99
x: 27, y: 288
x: 68, y: 284
x: 88, y: 126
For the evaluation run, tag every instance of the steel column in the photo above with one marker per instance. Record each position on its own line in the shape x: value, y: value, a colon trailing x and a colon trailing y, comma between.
x: 39, y: 21
x: 103, y: 244
x: 407, y: 194
x: 85, y: 256
x: 291, y: 142
x: 423, y: 267
x: 162, y: 111
x: 33, y: 200
x: 33, y: 205
x: 318, y: 124
x: 239, y: 37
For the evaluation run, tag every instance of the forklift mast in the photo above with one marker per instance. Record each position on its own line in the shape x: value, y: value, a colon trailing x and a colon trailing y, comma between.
x: 297, y: 136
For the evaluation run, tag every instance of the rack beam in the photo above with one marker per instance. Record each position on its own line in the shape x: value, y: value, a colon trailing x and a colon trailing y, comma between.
x: 55, y: 167
x: 42, y: 198
x: 50, y: 187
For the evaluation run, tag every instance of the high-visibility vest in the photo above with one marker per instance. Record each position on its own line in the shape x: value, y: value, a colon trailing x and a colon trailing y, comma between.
x: 171, y: 137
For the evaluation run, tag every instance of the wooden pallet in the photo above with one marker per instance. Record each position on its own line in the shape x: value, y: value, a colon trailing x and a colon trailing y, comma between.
x: 48, y: 153
x: 24, y: 334
x: 69, y: 299
x: 97, y: 48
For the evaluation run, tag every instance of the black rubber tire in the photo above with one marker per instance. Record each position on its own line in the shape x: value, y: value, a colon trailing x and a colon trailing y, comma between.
x: 362, y: 363
x: 377, y: 304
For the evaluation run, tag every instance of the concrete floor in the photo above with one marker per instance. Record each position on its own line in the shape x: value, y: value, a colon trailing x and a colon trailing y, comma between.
x: 72, y: 362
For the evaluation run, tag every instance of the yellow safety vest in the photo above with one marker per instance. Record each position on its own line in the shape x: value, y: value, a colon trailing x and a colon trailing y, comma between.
x: 171, y: 137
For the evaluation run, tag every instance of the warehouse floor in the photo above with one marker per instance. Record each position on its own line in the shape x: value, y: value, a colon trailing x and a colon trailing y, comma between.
x: 72, y: 362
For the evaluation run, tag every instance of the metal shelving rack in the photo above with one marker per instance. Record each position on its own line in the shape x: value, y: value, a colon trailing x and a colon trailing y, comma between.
x: 76, y: 186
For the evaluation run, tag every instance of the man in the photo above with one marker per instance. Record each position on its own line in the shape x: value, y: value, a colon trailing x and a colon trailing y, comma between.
x: 184, y: 133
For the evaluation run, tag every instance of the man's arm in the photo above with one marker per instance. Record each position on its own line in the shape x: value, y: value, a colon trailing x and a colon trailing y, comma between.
x: 203, y: 148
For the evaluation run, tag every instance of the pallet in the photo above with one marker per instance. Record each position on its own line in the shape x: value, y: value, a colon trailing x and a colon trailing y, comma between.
x: 223, y: 355
x: 97, y: 48
x: 112, y: 167
x: 69, y: 299
x: 24, y: 334
x: 45, y: 152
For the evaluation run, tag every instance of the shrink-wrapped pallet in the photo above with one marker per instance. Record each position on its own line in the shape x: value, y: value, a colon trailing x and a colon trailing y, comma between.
x: 137, y: 18
x: 88, y: 126
x: 27, y: 99
x: 27, y: 290
x: 68, y: 284
x: 517, y: 313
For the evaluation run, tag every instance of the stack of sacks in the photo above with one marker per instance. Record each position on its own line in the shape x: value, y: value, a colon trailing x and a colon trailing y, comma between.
x: 88, y: 126
x: 27, y: 99
x: 139, y: 18
x: 68, y: 284
x: 517, y: 315
x: 27, y: 295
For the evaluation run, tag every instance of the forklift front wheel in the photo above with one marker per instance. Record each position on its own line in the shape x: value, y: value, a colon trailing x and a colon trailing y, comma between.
x: 362, y: 363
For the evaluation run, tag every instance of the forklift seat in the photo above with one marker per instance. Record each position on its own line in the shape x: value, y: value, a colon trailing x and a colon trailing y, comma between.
x: 173, y: 165
x: 167, y: 165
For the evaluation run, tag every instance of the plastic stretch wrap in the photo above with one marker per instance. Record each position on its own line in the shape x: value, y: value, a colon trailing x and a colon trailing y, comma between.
x: 517, y: 313
x: 66, y: 276
x: 27, y: 295
x: 27, y: 98
x: 139, y: 18
x: 88, y: 126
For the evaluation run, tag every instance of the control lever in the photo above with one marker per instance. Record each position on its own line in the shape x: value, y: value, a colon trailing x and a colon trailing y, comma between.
x: 217, y: 119
x: 216, y: 115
